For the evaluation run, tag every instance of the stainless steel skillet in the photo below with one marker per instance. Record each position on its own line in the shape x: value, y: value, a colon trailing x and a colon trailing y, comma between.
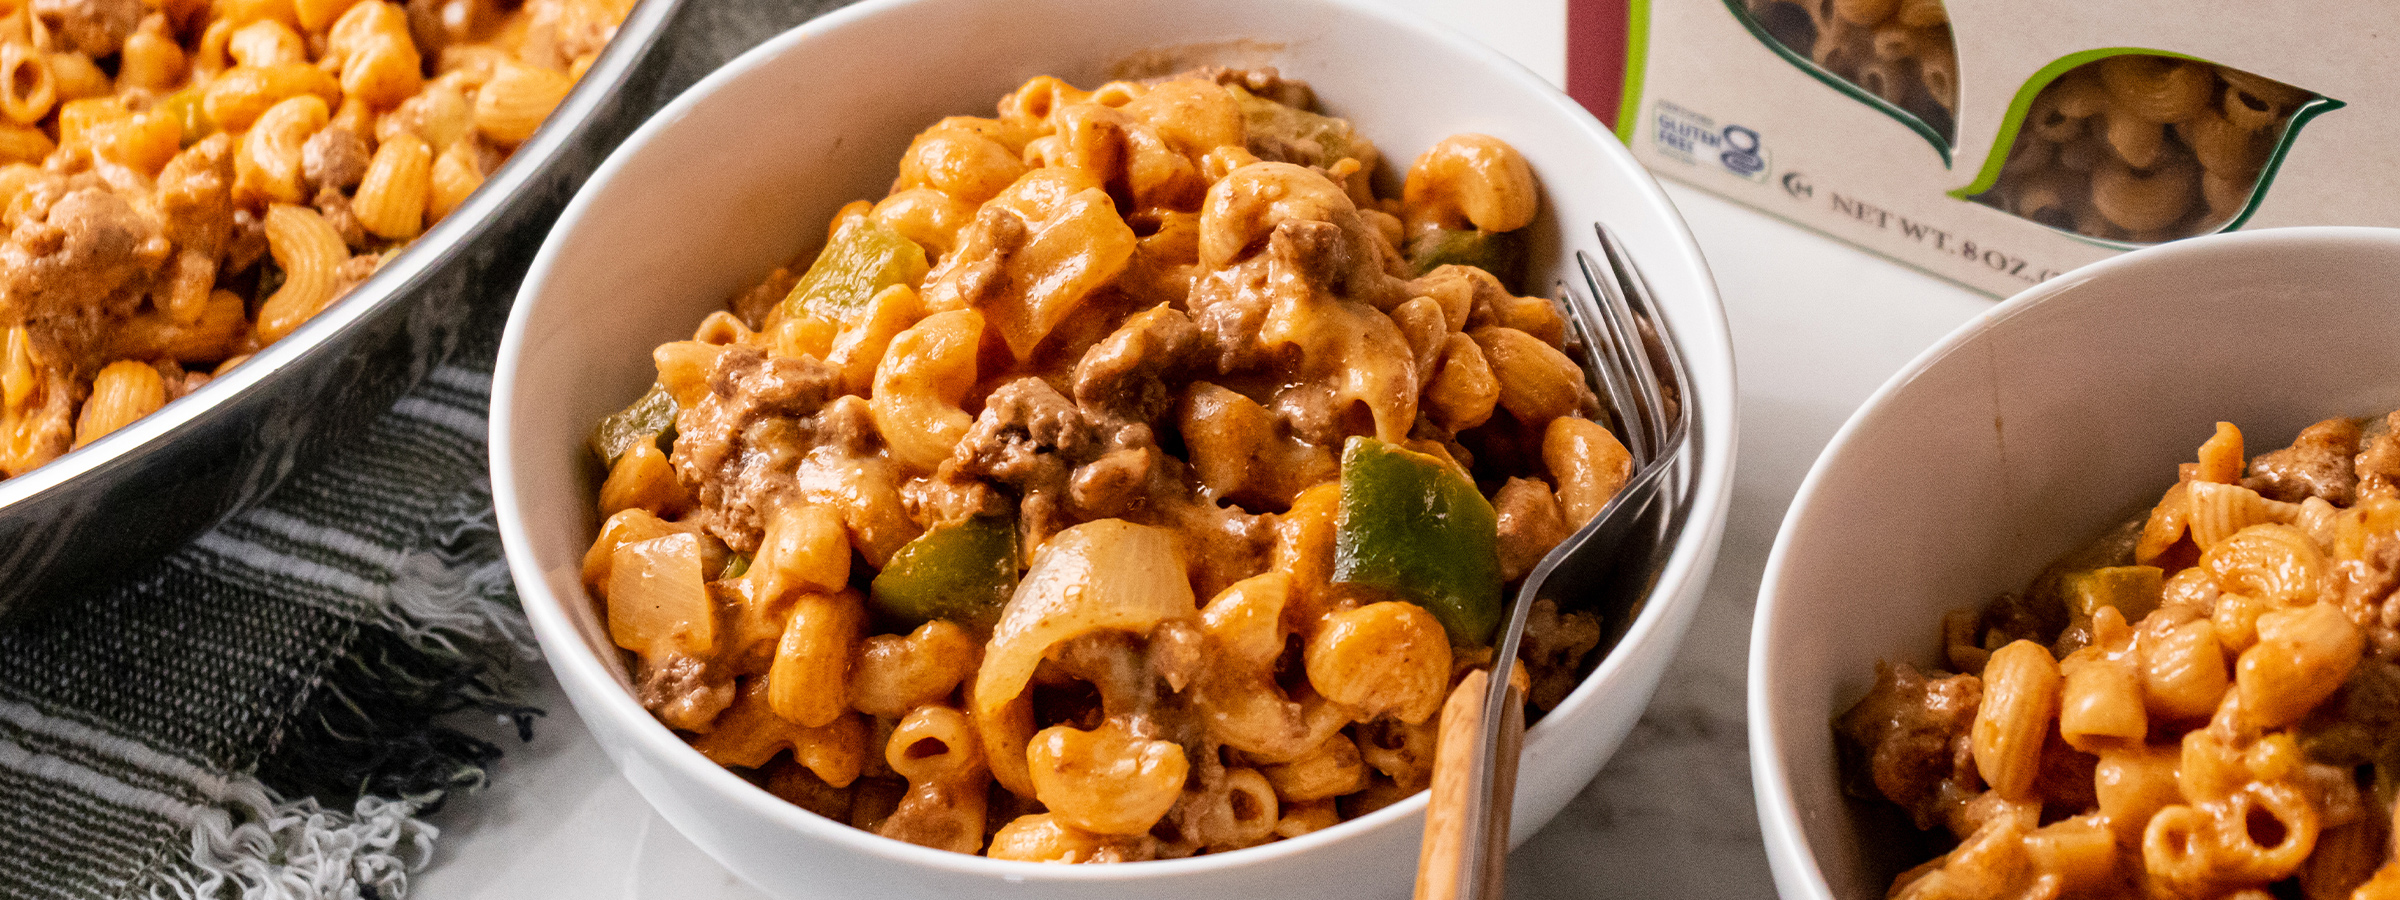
x: 108, y: 507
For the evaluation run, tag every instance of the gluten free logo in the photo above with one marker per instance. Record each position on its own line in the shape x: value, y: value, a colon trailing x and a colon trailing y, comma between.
x: 1701, y: 140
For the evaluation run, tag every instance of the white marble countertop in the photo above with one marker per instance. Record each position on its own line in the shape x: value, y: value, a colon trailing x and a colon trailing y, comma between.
x: 1817, y: 326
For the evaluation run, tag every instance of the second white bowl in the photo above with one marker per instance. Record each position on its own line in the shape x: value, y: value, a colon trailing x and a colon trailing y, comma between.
x: 2016, y: 439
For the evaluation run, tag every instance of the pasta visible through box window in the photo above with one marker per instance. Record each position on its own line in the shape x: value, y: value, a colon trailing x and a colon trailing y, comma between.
x: 2144, y: 148
x: 1900, y: 51
x: 1136, y: 474
x: 2204, y: 702
x: 187, y: 182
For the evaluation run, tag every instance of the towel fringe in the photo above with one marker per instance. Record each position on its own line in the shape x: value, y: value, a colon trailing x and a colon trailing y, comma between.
x: 454, y: 586
x: 282, y: 849
x: 336, y: 810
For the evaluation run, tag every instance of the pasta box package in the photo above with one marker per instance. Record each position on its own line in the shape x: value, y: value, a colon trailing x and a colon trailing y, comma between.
x: 2002, y: 142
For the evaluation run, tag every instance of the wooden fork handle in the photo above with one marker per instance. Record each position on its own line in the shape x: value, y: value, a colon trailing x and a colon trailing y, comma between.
x: 1451, y: 809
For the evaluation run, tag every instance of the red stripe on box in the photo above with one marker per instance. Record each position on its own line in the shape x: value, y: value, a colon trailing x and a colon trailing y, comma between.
x: 1597, y: 35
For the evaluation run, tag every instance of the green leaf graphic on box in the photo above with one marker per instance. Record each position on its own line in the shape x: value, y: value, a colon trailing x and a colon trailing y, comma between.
x: 2125, y: 147
x: 1896, y: 56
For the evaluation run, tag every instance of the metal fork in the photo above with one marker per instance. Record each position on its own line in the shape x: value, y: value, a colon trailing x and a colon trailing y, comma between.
x: 1627, y: 348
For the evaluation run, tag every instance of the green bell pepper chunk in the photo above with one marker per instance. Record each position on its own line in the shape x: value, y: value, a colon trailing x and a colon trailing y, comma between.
x: 963, y: 572
x: 185, y: 105
x: 863, y: 258
x: 1416, y: 526
x: 1501, y: 253
x: 649, y: 418
x: 1267, y: 118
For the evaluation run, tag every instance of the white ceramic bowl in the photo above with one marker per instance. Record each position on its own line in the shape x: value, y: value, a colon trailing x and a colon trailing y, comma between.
x: 2015, y: 439
x: 748, y: 166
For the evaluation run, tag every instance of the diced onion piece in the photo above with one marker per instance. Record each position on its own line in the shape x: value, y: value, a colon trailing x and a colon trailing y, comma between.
x: 1104, y: 575
x: 1108, y: 575
x: 658, y: 598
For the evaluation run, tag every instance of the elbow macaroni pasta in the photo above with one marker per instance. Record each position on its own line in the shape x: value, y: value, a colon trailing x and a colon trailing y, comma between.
x: 1900, y: 51
x: 2198, y: 704
x: 270, y: 152
x: 1074, y: 395
x: 2144, y: 148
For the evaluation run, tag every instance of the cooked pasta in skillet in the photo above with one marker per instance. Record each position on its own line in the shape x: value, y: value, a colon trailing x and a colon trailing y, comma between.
x: 185, y: 181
